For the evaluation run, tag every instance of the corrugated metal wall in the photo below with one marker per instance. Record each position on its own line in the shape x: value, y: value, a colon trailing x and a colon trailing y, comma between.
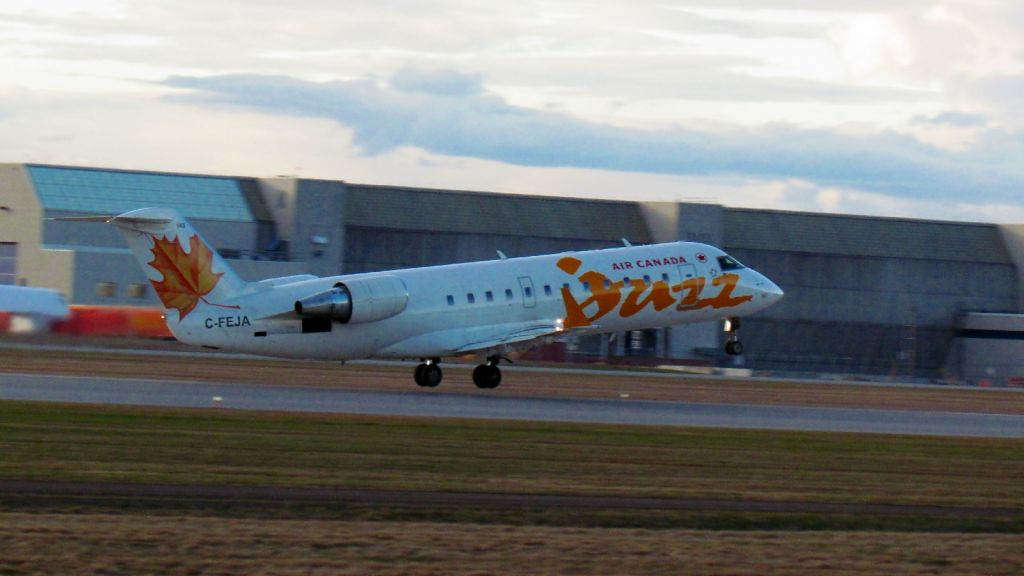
x: 389, y: 227
x: 867, y: 295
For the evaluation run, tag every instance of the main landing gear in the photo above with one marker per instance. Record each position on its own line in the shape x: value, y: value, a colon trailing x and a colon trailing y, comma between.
x: 487, y: 375
x: 428, y: 374
x: 733, y: 346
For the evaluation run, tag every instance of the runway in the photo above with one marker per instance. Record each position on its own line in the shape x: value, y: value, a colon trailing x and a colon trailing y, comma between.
x: 438, y: 403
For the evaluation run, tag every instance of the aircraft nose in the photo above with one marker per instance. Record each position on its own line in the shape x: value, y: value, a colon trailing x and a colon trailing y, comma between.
x: 767, y: 291
x: 772, y: 292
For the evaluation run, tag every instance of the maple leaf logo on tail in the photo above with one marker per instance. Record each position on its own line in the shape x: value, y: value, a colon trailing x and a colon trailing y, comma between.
x: 188, y: 276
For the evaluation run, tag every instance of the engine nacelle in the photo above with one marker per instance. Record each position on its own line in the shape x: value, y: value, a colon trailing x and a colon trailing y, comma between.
x: 358, y: 300
x: 335, y: 304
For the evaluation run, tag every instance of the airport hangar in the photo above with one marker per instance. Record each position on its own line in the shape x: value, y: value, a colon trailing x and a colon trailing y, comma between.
x: 864, y: 295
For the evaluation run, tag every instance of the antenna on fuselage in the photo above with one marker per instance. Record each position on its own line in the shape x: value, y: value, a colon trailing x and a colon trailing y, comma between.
x: 501, y: 255
x: 626, y: 243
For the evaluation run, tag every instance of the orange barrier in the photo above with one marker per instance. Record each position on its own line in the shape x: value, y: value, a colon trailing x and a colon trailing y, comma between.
x: 551, y: 352
x: 149, y: 323
x: 124, y: 321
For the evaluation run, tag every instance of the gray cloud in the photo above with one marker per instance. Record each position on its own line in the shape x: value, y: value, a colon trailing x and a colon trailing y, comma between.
x: 1003, y: 93
x: 955, y: 119
x: 600, y: 49
x: 696, y: 23
x: 638, y: 77
x: 440, y: 82
x: 469, y: 123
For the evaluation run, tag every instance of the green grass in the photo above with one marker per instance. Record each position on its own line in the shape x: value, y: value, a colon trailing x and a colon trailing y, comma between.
x: 152, y: 445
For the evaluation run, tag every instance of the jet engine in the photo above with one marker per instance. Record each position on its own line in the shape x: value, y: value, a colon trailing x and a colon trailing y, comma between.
x: 357, y: 300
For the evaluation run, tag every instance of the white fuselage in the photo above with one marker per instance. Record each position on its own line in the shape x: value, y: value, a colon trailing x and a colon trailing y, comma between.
x: 483, y: 306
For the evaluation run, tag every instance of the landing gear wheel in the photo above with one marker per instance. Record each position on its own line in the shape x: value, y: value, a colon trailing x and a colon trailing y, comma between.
x: 487, y: 376
x: 428, y: 375
x: 733, y: 347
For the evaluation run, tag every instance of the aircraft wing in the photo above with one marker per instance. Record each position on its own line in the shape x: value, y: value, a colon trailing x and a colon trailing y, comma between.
x: 502, y: 335
x: 499, y: 337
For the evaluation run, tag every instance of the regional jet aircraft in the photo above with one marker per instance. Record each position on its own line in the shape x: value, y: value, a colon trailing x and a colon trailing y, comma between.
x: 485, y: 308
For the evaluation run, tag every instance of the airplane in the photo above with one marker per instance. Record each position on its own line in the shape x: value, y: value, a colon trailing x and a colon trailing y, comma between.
x: 30, y: 309
x: 489, y: 308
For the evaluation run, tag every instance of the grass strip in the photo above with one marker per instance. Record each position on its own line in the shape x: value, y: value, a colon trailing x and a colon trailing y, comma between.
x: 83, y: 443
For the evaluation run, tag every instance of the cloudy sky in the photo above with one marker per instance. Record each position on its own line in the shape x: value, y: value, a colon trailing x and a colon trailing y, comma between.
x: 908, y: 108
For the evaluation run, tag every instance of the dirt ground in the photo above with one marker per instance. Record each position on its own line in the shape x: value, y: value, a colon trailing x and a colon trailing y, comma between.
x: 73, y: 544
x: 117, y: 361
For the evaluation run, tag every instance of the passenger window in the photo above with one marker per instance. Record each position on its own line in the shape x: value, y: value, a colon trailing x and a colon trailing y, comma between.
x: 607, y: 284
x: 647, y: 280
x: 665, y: 276
x: 451, y: 300
x: 528, y: 291
x: 547, y: 290
x: 489, y: 295
x: 470, y: 298
x: 508, y: 293
x: 626, y: 280
x: 586, y: 286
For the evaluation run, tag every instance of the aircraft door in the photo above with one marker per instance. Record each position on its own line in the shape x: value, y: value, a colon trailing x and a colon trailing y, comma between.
x: 529, y: 297
x: 687, y: 271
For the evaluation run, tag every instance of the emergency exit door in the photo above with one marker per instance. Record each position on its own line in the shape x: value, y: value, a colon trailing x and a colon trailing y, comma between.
x: 526, y: 287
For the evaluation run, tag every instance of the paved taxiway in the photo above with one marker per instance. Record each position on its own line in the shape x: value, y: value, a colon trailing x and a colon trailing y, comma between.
x: 438, y: 403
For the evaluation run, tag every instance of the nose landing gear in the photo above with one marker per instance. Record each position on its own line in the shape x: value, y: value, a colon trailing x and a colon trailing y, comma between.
x: 487, y: 376
x: 733, y: 346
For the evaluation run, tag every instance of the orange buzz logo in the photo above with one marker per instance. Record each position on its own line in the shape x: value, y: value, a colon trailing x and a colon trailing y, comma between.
x: 606, y: 296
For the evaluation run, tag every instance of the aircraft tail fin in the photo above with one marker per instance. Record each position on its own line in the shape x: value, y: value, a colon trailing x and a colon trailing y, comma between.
x: 185, y: 271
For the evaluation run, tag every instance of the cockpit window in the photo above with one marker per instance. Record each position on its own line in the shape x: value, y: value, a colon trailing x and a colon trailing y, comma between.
x: 729, y: 263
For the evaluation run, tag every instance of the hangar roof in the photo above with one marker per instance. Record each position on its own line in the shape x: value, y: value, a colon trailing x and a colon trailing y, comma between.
x: 100, y: 191
x: 864, y: 236
x: 487, y: 213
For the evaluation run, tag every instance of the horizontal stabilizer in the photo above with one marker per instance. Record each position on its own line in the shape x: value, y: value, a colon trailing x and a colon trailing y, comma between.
x: 185, y: 271
x: 113, y: 219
